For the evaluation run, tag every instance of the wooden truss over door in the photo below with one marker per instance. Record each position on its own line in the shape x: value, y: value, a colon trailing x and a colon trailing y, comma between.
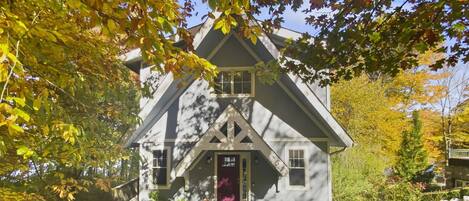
x: 231, y: 132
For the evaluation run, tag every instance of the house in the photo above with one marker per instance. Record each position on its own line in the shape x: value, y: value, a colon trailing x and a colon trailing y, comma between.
x: 242, y: 140
x: 457, y: 169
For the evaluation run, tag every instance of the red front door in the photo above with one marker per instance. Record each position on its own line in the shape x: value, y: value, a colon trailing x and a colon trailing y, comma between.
x: 228, y: 178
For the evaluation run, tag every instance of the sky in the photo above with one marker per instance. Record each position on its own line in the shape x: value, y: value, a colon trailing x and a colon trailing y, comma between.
x: 293, y: 20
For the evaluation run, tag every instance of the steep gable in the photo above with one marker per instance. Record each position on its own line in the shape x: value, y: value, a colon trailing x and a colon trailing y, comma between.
x: 232, y: 53
x: 228, y: 51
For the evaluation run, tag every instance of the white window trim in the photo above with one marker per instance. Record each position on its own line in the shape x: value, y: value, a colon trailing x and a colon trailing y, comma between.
x: 305, y: 158
x: 168, y: 168
x: 237, y: 68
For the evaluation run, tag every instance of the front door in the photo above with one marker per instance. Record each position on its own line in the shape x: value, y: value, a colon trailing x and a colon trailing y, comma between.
x: 228, y: 178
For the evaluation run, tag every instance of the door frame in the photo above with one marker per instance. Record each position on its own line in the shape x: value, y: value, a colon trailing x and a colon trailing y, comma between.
x: 241, y: 155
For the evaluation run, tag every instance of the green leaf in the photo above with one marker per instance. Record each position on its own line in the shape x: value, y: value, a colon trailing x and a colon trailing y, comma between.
x: 375, y: 37
x: 74, y: 4
x: 459, y: 27
x: 20, y: 101
x: 24, y: 151
x: 25, y: 116
x: 212, y: 4
x: 421, y: 47
x: 12, y: 128
x: 36, y: 104
x: 112, y: 26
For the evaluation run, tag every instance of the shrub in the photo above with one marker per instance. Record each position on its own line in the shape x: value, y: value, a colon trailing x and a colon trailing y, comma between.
x: 154, y: 196
x: 445, y: 195
x: 464, y: 192
x: 400, y: 191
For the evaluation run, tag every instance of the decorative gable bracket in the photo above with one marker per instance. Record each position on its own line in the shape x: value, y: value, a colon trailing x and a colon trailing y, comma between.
x: 230, y: 132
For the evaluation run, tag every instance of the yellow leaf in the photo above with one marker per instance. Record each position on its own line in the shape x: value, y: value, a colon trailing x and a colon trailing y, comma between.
x: 253, y: 38
x: 22, y: 25
x: 70, y: 196
x: 74, y: 4
x: 112, y: 26
x: 36, y: 104
x: 219, y: 24
x: 25, y: 116
x: 13, y: 128
x: 19, y: 101
x: 45, y: 130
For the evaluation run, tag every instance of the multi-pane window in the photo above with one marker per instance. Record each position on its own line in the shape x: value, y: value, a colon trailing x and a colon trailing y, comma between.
x: 160, y: 167
x: 234, y: 83
x: 297, y: 172
x: 229, y: 161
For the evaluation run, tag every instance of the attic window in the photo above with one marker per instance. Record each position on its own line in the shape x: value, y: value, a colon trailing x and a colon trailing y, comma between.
x: 234, y: 83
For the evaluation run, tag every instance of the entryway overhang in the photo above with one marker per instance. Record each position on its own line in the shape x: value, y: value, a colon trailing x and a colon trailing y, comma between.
x: 230, y: 132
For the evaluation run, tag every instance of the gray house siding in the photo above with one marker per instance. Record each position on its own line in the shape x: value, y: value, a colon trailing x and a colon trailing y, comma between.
x: 265, y: 183
x: 272, y: 113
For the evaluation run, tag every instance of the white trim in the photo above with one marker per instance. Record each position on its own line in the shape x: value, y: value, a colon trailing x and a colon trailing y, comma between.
x: 230, y: 142
x: 329, y: 171
x: 168, y: 168
x: 206, y: 27
x: 246, y: 46
x: 314, y: 104
x: 131, y: 55
x: 285, y: 139
x: 250, y: 69
x: 301, y: 105
x: 156, y: 95
x: 241, y: 156
x: 218, y: 46
x: 306, y: 166
x: 322, y: 110
x: 286, y: 33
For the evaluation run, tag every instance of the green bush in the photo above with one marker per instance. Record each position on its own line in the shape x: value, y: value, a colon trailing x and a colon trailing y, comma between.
x: 357, y: 175
x: 400, y: 191
x: 452, y: 194
x: 464, y: 192
x: 154, y: 196
x: 445, y: 195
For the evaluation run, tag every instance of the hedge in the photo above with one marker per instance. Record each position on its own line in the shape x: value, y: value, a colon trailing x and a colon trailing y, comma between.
x: 445, y: 195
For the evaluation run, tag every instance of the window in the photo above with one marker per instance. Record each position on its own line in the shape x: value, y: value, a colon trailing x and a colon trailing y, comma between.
x: 229, y: 161
x: 234, y: 83
x: 160, y: 167
x: 297, y: 174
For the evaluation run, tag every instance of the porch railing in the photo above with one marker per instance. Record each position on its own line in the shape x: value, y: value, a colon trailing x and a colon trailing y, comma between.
x: 459, y: 153
x: 126, y: 192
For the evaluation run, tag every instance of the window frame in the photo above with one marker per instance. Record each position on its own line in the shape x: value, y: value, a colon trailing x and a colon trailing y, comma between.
x: 168, y: 168
x: 306, y: 168
x: 232, y: 90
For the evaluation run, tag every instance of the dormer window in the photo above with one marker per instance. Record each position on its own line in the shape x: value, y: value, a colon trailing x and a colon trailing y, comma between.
x: 234, y: 82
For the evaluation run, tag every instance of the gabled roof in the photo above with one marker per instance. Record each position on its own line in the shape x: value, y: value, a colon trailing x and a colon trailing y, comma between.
x: 299, y: 91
